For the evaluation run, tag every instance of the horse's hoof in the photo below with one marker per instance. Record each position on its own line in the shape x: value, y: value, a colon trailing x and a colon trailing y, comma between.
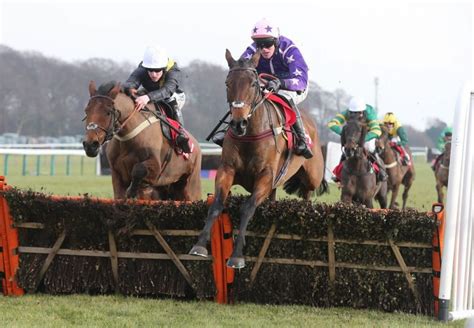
x: 236, y: 263
x: 198, y: 251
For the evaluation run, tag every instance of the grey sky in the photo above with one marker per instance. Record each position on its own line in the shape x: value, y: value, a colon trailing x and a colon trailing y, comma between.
x: 421, y: 51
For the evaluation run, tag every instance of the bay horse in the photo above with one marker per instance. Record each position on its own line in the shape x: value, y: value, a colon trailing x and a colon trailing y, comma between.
x: 255, y: 155
x: 358, y: 178
x: 143, y: 162
x: 442, y: 171
x: 398, y: 174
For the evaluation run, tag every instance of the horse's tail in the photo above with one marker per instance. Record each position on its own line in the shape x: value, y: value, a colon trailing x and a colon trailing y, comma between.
x: 323, y: 188
x: 294, y: 186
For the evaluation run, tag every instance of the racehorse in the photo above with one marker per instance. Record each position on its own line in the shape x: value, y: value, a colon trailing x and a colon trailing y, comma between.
x: 255, y: 155
x: 144, y: 163
x: 442, y: 171
x: 397, y: 173
x: 358, y: 178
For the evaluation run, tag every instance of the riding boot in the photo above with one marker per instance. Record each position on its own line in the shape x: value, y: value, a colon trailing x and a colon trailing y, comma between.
x: 182, y: 139
x: 381, y: 175
x: 405, y: 157
x: 302, y: 148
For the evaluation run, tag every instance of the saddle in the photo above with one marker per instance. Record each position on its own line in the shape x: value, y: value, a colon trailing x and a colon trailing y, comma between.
x: 170, y: 128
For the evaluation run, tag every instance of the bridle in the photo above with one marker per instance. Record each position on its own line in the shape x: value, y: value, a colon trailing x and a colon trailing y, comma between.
x: 258, y: 99
x: 114, y: 119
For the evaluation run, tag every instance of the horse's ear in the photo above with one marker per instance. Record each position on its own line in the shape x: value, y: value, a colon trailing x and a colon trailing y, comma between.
x: 255, y: 58
x: 343, y: 137
x: 92, y: 88
x: 230, y: 59
x: 115, y: 91
x: 363, y: 133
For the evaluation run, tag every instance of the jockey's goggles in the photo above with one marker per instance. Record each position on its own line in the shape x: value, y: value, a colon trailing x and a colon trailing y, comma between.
x: 156, y: 70
x: 265, y: 43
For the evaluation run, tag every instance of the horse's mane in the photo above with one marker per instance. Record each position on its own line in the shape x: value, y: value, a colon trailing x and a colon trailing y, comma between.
x: 105, y: 88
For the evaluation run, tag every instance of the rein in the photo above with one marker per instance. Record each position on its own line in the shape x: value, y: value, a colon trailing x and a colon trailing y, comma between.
x: 111, y: 131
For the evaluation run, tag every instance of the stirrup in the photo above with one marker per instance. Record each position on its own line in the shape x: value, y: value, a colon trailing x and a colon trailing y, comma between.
x: 302, y: 149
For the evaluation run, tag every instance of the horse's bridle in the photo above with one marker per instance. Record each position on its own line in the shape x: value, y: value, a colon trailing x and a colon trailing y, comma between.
x: 114, y: 119
x: 256, y: 102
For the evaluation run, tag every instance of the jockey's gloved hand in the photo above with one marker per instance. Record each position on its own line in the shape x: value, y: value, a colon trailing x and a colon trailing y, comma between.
x: 273, y: 85
x: 131, y: 92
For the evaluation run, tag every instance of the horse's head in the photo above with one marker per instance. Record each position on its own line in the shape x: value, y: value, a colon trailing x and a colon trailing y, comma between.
x: 353, y: 138
x: 243, y: 91
x: 382, y: 141
x: 447, y: 153
x: 102, y: 115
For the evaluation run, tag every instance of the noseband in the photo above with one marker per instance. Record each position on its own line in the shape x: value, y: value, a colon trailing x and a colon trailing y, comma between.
x: 114, y: 119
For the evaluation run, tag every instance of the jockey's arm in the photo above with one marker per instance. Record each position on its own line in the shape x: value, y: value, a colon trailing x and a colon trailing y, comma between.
x: 337, y: 122
x: 297, y: 69
x: 374, y: 130
x: 402, y: 134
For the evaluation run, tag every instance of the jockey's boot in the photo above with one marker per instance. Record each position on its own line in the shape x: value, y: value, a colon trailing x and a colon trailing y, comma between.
x: 182, y: 139
x: 435, y: 162
x: 405, y: 158
x: 301, y: 148
x: 382, y: 174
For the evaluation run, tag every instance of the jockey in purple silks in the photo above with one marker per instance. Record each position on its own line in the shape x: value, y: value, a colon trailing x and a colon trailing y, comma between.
x: 280, y: 57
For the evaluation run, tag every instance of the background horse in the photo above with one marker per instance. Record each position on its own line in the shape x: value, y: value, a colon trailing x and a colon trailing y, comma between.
x: 442, y: 171
x: 358, y: 179
x: 255, y: 158
x: 397, y: 173
x: 143, y: 162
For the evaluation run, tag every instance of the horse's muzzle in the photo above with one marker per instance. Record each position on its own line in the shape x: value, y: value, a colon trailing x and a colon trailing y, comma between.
x: 91, y: 148
x: 239, y: 127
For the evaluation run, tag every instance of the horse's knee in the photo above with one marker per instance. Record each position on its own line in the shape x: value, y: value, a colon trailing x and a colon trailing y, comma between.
x: 139, y: 171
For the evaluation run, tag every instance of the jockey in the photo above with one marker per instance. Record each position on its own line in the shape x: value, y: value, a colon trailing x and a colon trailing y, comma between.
x: 398, y: 136
x: 160, y: 76
x: 443, y: 137
x: 359, y: 109
x: 280, y: 57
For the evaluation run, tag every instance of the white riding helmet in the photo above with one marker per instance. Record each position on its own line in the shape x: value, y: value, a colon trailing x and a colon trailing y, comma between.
x: 155, y: 57
x: 357, y: 105
x: 265, y: 29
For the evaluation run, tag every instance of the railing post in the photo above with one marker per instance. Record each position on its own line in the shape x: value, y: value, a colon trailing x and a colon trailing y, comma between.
x: 9, y: 246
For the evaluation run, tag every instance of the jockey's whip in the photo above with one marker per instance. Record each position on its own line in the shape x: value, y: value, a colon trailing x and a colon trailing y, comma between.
x: 222, y: 120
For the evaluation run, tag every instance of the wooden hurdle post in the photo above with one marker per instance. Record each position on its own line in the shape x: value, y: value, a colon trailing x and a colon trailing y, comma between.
x: 8, y: 247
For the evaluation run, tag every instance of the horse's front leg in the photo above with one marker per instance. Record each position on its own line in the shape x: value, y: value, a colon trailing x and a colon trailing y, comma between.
x: 224, y: 181
x: 262, y: 189
x: 139, y: 171
x: 393, y: 199
x: 118, y: 185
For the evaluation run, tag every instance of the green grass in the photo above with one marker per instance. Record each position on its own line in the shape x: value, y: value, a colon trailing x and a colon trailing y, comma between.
x: 421, y: 196
x: 119, y: 311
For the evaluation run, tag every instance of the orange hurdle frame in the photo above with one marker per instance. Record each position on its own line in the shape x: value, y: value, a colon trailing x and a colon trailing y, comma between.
x: 438, y: 242
x: 9, y: 245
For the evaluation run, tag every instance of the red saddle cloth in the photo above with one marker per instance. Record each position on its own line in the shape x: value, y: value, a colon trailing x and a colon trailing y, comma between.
x: 338, y: 169
x: 290, y: 119
x: 174, y: 135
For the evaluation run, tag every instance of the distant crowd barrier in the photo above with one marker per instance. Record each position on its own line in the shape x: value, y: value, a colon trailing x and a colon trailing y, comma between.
x: 68, y: 159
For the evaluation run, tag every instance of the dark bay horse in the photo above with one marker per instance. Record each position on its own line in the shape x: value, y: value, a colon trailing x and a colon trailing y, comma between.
x: 358, y: 178
x: 143, y: 162
x: 255, y: 158
x: 442, y: 171
x: 397, y: 173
